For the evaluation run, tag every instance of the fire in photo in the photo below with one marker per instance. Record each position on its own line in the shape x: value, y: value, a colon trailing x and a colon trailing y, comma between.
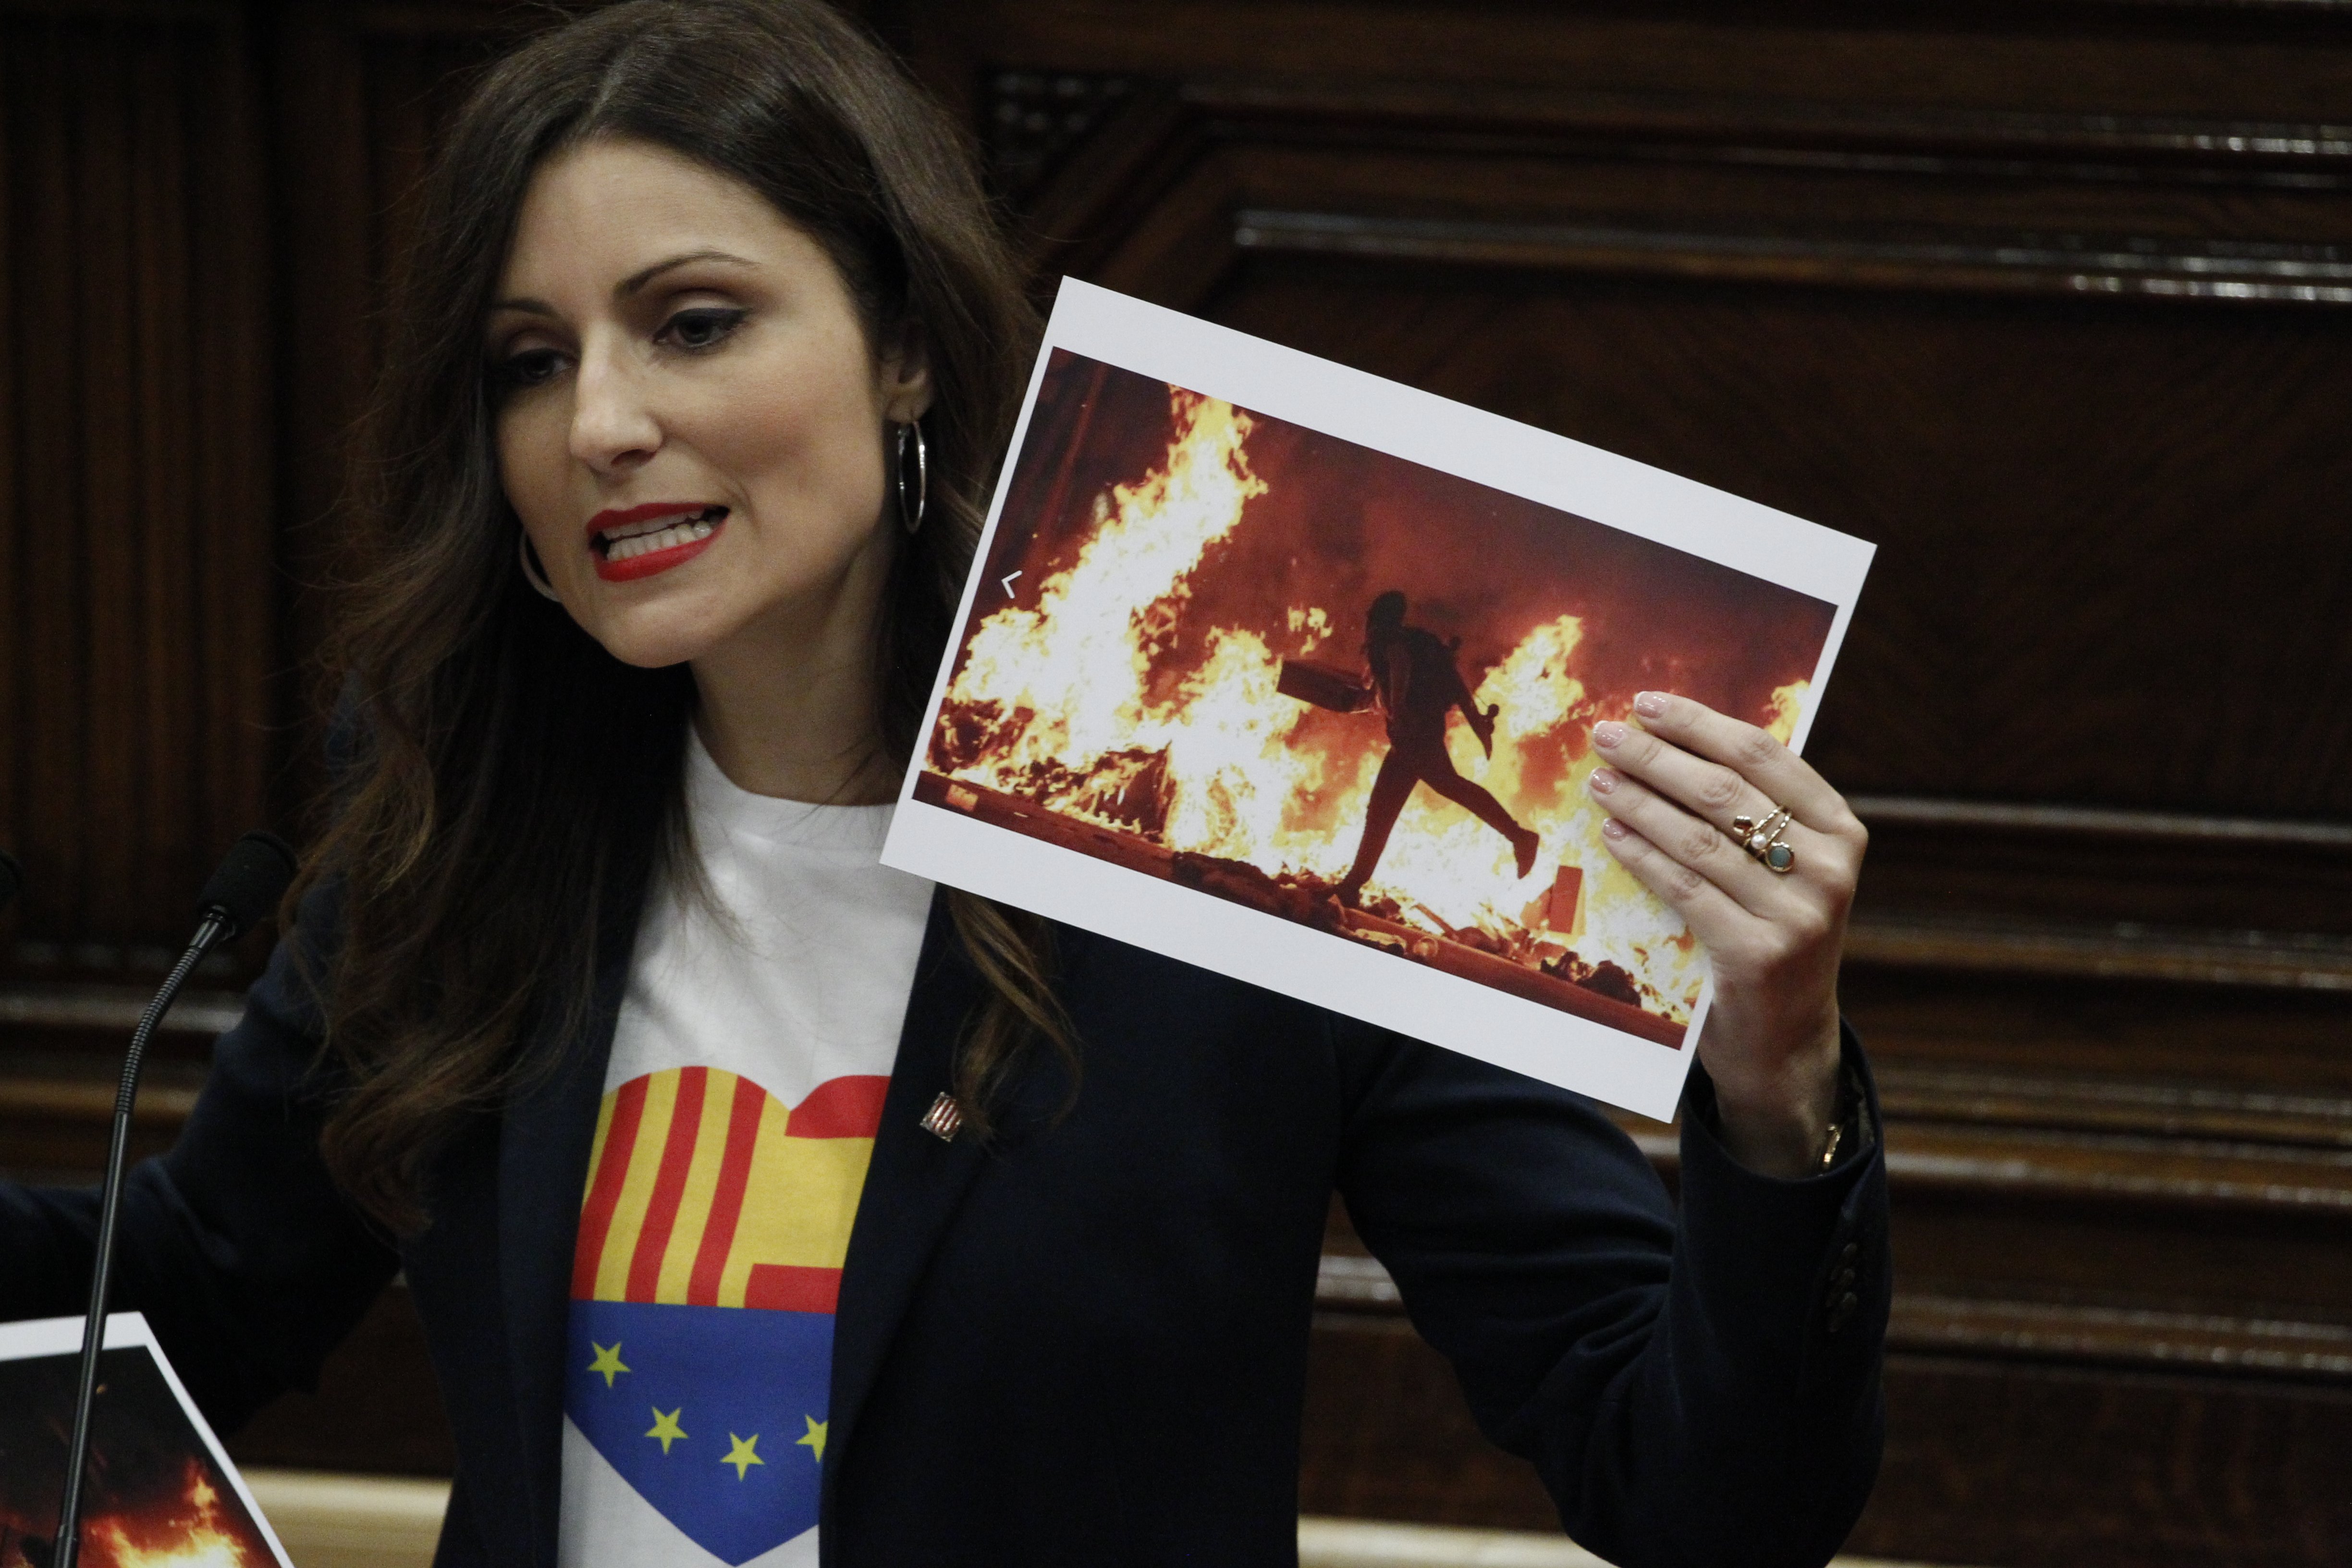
x: 1342, y: 688
x: 155, y: 1497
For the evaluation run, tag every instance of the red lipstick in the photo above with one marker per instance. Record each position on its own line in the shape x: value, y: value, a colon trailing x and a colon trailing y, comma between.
x: 637, y: 541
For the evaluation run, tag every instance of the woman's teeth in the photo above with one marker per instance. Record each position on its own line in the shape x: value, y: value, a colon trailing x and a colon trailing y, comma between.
x: 669, y: 536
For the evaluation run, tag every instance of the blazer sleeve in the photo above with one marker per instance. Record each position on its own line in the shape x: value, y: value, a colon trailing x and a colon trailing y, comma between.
x: 248, y: 1263
x: 1695, y: 1386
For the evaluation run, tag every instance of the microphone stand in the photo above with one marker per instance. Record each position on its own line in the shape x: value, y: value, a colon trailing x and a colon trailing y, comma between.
x: 110, y: 1208
x: 246, y: 885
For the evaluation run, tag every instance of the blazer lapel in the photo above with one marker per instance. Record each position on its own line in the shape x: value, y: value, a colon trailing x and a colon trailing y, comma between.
x: 549, y: 1130
x: 912, y: 1184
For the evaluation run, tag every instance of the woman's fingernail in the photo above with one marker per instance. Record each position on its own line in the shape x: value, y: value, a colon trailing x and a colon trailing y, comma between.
x: 1650, y: 704
x: 1613, y: 828
x: 1603, y: 780
x: 1609, y: 732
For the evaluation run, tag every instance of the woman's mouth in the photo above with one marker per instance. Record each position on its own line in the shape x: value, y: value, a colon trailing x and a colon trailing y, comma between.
x: 645, y: 540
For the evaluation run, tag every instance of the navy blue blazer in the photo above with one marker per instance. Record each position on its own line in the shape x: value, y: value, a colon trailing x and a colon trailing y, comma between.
x: 1086, y: 1342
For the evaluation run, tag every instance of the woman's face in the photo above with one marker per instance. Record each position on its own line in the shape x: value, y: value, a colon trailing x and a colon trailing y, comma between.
x: 691, y: 425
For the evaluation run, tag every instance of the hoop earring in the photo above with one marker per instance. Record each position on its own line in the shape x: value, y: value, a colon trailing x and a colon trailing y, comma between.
x: 911, y: 518
x: 533, y: 573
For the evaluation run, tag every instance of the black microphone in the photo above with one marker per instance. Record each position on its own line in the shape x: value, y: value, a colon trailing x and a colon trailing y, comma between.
x: 248, y: 885
x: 12, y: 877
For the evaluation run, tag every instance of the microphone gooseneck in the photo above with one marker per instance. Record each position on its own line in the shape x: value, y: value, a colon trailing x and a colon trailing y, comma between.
x: 249, y: 884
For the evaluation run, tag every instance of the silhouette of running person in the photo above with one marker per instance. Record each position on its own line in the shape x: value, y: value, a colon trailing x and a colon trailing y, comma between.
x: 1415, y: 678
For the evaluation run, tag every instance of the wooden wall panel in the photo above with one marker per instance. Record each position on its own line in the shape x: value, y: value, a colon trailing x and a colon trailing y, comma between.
x: 135, y: 512
x: 2053, y: 298
x: 205, y: 206
x: 2092, y: 1465
x: 361, y: 89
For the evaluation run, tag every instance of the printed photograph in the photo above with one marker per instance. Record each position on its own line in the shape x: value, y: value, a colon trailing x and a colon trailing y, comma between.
x: 1342, y: 687
x: 155, y: 1497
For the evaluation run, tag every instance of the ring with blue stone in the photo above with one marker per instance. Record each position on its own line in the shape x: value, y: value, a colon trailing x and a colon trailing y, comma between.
x: 1763, y: 842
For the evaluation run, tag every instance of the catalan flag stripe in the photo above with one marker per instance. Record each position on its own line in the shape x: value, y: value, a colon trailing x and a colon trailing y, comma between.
x: 727, y: 1201
x: 616, y: 1136
x: 669, y: 1184
x: 637, y: 1187
x: 701, y: 1186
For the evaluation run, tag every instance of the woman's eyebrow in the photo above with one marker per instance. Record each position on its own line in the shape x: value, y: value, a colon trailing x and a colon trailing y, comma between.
x: 527, y: 306
x: 636, y: 280
x: 626, y: 285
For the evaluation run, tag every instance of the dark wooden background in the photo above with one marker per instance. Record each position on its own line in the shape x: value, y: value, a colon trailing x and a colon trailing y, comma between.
x: 2050, y: 300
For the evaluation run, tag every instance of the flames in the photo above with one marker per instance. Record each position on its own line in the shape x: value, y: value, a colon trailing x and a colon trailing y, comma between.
x: 1084, y: 700
x: 1788, y: 701
x: 193, y: 1529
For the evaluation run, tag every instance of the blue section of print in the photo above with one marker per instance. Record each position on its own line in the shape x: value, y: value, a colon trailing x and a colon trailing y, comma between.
x: 727, y: 1382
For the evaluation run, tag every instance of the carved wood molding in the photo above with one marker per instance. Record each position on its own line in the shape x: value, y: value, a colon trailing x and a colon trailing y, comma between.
x: 57, y: 1114
x: 2102, y: 822
x: 109, y: 1009
x: 1499, y: 118
x: 2268, y: 1175
x: 1035, y: 119
x: 2313, y: 8
x: 1998, y: 888
x: 2139, y: 1338
x: 2115, y: 1172
x: 1145, y: 196
x: 2292, y: 960
x: 2100, y: 1221
x: 2213, y: 1113
x: 2022, y: 263
x: 70, y: 1098
x: 1353, y: 1287
x: 210, y: 12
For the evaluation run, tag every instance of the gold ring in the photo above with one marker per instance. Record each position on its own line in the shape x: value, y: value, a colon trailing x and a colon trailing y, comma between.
x: 1763, y: 842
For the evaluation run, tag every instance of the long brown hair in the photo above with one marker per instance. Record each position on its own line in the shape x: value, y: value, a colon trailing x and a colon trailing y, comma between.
x: 512, y: 788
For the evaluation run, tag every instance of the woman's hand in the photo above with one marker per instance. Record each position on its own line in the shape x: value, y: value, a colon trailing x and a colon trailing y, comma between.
x: 1671, y: 788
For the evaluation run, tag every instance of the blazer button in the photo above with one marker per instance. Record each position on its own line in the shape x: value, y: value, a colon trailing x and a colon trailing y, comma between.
x: 1842, y: 1286
x: 1843, y: 1311
x: 1852, y: 1250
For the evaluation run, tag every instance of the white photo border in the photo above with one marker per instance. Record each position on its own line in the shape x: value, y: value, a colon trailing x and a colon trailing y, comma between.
x: 1576, y: 1052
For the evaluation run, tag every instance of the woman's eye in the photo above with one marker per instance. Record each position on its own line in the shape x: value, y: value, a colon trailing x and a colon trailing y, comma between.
x: 529, y: 368
x: 703, y: 328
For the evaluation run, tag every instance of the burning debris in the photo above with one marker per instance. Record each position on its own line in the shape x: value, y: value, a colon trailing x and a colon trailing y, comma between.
x: 1140, y: 684
x: 1304, y: 898
x: 1312, y: 900
x: 1604, y: 979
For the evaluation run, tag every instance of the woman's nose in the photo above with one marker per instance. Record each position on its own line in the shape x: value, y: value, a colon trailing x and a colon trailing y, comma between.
x: 613, y: 424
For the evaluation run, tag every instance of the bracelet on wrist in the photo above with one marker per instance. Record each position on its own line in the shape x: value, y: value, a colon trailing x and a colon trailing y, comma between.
x: 1847, y: 1123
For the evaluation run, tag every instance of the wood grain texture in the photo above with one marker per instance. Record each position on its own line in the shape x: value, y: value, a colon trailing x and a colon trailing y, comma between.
x: 364, y: 88
x: 2161, y: 1471
x: 2052, y: 298
x: 135, y: 512
x: 2190, y: 1471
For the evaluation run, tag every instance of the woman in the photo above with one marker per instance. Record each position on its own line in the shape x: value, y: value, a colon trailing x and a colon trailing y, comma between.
x: 601, y: 1022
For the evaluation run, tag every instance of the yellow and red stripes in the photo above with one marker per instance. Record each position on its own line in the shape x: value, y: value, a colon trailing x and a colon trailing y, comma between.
x: 706, y: 1190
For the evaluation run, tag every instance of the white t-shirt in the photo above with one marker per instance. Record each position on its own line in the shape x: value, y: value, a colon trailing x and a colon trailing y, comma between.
x: 748, y: 1065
